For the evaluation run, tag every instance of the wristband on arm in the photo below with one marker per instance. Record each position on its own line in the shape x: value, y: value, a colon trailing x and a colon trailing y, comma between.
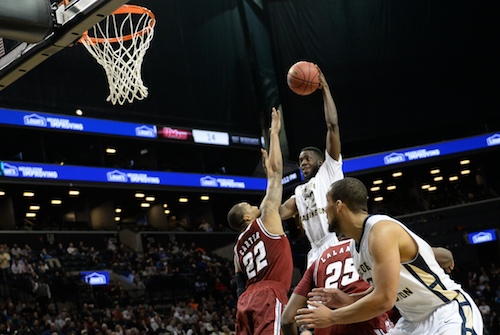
x: 240, y: 283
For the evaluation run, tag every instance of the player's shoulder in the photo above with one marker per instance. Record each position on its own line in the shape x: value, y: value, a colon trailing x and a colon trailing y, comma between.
x: 331, y: 160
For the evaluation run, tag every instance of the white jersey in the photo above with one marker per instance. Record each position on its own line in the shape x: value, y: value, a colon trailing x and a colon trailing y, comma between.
x: 423, y: 284
x: 310, y: 199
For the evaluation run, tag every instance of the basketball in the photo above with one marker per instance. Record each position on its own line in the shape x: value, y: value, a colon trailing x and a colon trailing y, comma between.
x: 303, y: 78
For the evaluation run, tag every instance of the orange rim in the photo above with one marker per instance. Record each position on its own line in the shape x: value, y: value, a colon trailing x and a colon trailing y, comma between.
x: 125, y: 9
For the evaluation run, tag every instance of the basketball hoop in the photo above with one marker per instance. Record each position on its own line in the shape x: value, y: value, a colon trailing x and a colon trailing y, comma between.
x: 119, y: 43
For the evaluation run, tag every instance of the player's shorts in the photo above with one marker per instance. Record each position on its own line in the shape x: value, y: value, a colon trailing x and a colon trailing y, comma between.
x: 459, y: 317
x: 260, y: 308
x: 317, y: 249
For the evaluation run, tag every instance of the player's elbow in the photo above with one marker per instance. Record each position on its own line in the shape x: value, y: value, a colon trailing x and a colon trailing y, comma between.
x: 386, y: 306
x: 383, y: 302
x: 332, y: 125
x: 287, y: 322
x: 386, y: 303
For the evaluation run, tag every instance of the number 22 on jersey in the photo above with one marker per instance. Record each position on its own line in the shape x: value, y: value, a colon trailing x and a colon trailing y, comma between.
x: 255, y: 260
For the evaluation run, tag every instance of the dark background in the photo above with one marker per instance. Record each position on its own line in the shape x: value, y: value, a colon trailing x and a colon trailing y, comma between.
x: 402, y: 73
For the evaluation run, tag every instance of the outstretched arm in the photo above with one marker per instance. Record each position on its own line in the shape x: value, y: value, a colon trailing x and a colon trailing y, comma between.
x: 273, y: 163
x: 288, y: 209
x: 331, y: 119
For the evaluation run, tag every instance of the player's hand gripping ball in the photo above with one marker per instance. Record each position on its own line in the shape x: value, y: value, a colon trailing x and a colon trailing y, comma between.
x: 303, y: 78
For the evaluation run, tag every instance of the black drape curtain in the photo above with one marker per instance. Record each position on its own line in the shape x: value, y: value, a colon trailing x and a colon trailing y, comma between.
x: 393, y: 66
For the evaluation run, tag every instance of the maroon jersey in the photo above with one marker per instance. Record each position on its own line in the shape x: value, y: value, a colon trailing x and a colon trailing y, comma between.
x: 335, y: 269
x: 264, y: 256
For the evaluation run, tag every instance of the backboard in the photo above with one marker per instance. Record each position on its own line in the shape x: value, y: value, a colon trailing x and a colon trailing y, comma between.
x: 72, y: 18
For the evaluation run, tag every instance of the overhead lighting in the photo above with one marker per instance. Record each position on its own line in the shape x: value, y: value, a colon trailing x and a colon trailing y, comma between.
x: 150, y: 198
x: 184, y: 200
x: 118, y: 210
x: 34, y: 207
x: 453, y: 178
x: 28, y: 194
x: 204, y: 198
x: 79, y: 112
x: 391, y: 187
x: 145, y: 204
x: 117, y: 218
x: 465, y: 161
x: 464, y: 172
x: 166, y: 211
x: 55, y: 201
x: 378, y: 182
x: 397, y: 174
x: 438, y: 178
x: 140, y: 195
x: 435, y: 171
x: 74, y: 192
x: 378, y: 199
x: 165, y: 205
x: 30, y: 215
x: 432, y: 188
x: 425, y: 186
x: 375, y: 188
x: 2, y: 193
x: 110, y: 151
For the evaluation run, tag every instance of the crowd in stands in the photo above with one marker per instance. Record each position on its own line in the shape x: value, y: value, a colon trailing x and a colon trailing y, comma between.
x: 484, y: 286
x: 171, y: 289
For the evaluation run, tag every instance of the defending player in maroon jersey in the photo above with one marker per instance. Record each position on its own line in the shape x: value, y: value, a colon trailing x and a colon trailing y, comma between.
x: 333, y: 269
x: 262, y: 255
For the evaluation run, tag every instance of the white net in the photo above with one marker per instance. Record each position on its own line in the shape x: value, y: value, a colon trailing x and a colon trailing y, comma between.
x: 119, y: 44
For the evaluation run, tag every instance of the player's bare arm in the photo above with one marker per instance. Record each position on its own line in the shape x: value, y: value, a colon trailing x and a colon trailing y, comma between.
x: 331, y: 119
x: 288, y: 209
x: 273, y: 162
x: 335, y: 298
x: 288, y: 324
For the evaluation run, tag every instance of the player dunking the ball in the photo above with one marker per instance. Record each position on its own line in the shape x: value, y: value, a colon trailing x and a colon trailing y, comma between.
x: 320, y: 170
x: 263, y: 257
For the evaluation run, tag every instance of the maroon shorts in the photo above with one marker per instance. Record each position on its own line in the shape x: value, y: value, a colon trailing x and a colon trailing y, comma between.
x: 260, y: 308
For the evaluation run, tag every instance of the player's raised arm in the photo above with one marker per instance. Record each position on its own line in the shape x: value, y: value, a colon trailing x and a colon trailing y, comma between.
x: 331, y: 119
x: 273, y: 165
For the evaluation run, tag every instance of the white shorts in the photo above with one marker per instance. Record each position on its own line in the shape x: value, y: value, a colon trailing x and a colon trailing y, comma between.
x: 459, y: 317
x: 317, y: 249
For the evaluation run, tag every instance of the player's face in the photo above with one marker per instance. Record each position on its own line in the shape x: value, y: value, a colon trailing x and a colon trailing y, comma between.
x: 331, y: 213
x: 308, y: 163
x: 254, y: 211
